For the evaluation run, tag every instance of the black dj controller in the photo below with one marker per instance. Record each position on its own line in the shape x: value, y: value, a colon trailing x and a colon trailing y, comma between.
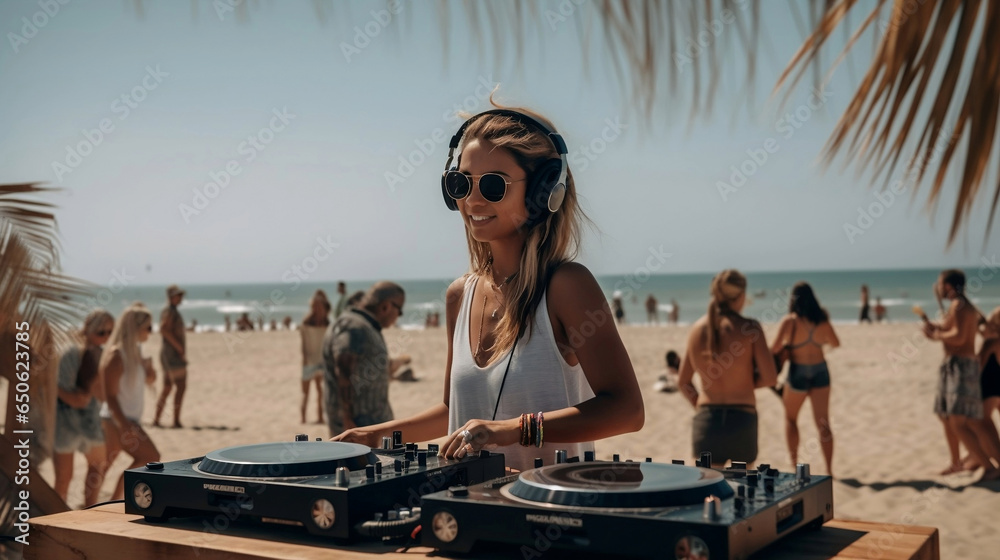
x: 630, y: 508
x: 335, y: 489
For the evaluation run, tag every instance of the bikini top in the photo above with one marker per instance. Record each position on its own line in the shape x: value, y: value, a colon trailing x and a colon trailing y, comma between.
x: 806, y: 341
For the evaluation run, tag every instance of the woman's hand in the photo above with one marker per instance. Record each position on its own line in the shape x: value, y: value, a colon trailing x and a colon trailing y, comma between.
x: 364, y: 436
x: 478, y: 434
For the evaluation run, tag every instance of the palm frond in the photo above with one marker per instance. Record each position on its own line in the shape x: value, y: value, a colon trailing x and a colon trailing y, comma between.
x: 899, y: 113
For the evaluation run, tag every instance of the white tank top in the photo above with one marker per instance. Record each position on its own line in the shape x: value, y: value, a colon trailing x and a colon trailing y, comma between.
x: 539, y: 380
x: 130, y: 394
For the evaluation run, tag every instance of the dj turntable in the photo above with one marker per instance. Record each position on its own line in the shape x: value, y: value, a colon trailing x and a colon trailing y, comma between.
x: 335, y: 489
x: 630, y: 508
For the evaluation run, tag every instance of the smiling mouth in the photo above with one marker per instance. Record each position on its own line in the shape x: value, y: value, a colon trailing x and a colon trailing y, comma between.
x: 480, y: 219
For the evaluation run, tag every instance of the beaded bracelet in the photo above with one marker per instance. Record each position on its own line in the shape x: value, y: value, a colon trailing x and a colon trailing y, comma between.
x: 534, y: 431
x: 538, y: 440
x: 525, y: 430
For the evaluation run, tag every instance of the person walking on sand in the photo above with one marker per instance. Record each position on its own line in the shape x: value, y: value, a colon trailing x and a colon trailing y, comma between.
x: 652, y: 314
x: 958, y: 402
x: 675, y: 312
x: 314, y: 326
x: 880, y: 311
x: 804, y: 332
x: 618, y: 306
x: 173, y: 355
x: 865, y: 307
x: 341, y: 301
x: 78, y: 422
x: 730, y: 355
x: 516, y: 381
x: 989, y: 383
x: 122, y: 370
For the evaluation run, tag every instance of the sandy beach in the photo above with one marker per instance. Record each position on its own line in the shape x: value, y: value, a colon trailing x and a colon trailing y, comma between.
x: 244, y: 388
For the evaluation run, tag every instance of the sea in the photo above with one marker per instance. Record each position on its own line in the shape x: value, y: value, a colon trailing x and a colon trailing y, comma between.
x: 837, y: 291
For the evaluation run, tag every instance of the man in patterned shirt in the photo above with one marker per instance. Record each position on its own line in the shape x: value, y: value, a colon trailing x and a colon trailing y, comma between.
x: 357, y: 362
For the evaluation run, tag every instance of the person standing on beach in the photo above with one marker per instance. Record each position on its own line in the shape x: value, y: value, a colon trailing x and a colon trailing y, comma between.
x: 357, y: 365
x: 880, y: 312
x: 519, y: 378
x: 342, y: 301
x: 865, y: 307
x: 123, y: 369
x: 78, y: 422
x: 989, y: 383
x: 173, y: 355
x: 730, y: 355
x: 804, y: 332
x: 959, y: 402
x: 675, y: 312
x: 314, y: 326
x: 652, y: 314
x: 618, y: 306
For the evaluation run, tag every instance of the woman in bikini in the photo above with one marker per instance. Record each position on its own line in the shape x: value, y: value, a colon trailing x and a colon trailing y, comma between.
x: 804, y: 331
x: 314, y: 326
x: 534, y: 363
x: 730, y: 354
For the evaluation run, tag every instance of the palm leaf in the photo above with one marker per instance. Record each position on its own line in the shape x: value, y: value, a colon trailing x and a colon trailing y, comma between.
x: 898, y: 113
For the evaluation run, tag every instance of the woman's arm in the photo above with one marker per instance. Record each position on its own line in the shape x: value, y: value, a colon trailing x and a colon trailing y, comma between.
x: 685, y: 382
x: 834, y: 341
x: 779, y: 338
x: 763, y: 358
x: 433, y: 422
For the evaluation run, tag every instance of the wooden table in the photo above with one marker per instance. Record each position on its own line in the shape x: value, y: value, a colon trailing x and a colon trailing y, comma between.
x: 107, y: 532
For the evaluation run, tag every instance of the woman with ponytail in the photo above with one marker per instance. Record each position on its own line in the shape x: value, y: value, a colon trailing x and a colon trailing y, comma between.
x: 730, y: 355
x: 535, y: 363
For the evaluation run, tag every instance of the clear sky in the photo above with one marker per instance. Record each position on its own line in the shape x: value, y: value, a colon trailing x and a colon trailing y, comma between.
x: 309, y: 129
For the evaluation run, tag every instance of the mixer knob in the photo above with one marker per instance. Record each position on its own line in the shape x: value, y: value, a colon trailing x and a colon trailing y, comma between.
x: 752, y: 477
x: 772, y: 472
x: 802, y: 472
x: 301, y: 437
x: 538, y: 462
x: 483, y: 454
x: 769, y: 485
x: 422, y: 458
x: 740, y: 465
x: 397, y: 466
x: 386, y: 442
x: 378, y: 468
x: 343, y: 477
x: 751, y: 492
x: 762, y: 468
x: 741, y: 491
x: 406, y: 465
x: 319, y: 439
x: 616, y: 457
x: 706, y: 459
x: 433, y: 448
x: 712, y: 509
x: 459, y: 490
x: 739, y: 502
x: 560, y: 456
x: 397, y: 439
x: 393, y: 515
x: 404, y: 513
x: 649, y: 459
x: 588, y: 456
x: 370, y: 472
x: 677, y: 461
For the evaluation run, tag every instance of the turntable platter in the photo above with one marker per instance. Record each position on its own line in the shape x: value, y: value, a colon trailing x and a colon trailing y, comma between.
x: 619, y: 485
x: 292, y: 459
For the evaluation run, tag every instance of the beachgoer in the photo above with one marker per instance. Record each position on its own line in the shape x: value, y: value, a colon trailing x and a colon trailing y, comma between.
x: 314, y: 326
x: 123, y: 369
x: 675, y: 311
x: 354, y: 299
x: 730, y: 355
x: 865, y: 308
x: 286, y: 323
x: 229, y: 323
x: 357, y: 365
x: 78, y: 422
x: 652, y: 314
x: 989, y: 362
x: 959, y: 401
x: 520, y: 378
x: 244, y: 323
x: 667, y: 383
x: 804, y: 331
x: 173, y: 355
x: 880, y: 311
x: 618, y: 306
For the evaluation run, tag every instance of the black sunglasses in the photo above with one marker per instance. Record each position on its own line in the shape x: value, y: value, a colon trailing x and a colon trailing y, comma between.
x: 492, y: 186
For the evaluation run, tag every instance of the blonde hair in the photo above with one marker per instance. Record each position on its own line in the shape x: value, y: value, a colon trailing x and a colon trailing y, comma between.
x: 727, y: 287
x: 549, y: 242
x: 91, y: 324
x: 125, y: 338
x: 317, y: 295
